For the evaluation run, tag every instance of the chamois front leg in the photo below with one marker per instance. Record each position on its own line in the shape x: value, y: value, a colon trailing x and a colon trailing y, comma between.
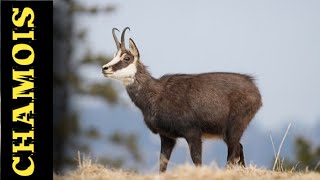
x: 195, y: 146
x: 167, y: 145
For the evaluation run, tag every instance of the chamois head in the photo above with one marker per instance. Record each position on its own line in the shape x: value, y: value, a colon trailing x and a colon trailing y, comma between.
x: 123, y: 66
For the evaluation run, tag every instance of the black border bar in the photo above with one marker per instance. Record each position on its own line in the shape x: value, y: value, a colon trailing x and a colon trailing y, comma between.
x: 26, y: 89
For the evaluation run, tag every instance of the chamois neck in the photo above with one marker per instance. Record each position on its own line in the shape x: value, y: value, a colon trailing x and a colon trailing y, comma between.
x: 145, y: 89
x: 143, y: 76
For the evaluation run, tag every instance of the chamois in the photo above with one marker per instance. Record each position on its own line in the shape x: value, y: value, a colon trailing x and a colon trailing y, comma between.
x: 190, y: 106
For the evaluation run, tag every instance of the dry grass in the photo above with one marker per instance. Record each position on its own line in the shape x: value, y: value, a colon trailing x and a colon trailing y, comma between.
x: 185, y: 172
x: 87, y: 171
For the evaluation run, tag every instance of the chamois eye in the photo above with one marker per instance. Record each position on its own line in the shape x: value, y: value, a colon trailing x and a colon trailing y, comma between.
x: 127, y: 58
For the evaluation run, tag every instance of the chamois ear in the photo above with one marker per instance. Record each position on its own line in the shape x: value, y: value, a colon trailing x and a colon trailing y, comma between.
x: 133, y: 48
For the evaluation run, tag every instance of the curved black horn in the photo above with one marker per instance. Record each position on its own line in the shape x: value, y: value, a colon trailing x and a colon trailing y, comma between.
x: 115, y: 37
x: 123, y: 46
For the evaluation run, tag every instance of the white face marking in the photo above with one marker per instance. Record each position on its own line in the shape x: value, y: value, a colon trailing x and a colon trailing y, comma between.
x: 127, y: 72
x: 115, y: 59
x: 126, y: 75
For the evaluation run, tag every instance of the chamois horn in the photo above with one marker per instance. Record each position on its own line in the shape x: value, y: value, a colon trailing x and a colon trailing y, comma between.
x: 123, y: 46
x: 115, y: 37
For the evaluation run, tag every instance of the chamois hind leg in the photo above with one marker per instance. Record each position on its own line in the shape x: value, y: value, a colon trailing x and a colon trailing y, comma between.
x: 234, y: 154
x: 238, y: 122
x: 235, y: 149
x: 242, y: 162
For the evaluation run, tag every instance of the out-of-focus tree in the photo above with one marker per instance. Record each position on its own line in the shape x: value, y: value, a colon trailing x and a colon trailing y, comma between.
x: 67, y: 80
x: 62, y: 28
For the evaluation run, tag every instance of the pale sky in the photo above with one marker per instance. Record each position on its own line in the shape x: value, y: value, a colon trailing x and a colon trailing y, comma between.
x: 276, y: 41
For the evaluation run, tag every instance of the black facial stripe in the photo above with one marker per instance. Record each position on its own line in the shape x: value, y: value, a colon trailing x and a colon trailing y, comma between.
x: 122, y: 63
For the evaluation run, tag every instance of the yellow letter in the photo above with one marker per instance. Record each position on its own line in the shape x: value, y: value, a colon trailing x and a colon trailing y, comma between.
x: 24, y: 136
x: 26, y: 172
x: 18, y: 47
x: 21, y: 114
x: 15, y: 35
x: 25, y: 13
x: 25, y: 85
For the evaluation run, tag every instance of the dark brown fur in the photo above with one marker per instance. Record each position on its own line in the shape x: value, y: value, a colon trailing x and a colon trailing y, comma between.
x: 189, y: 106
